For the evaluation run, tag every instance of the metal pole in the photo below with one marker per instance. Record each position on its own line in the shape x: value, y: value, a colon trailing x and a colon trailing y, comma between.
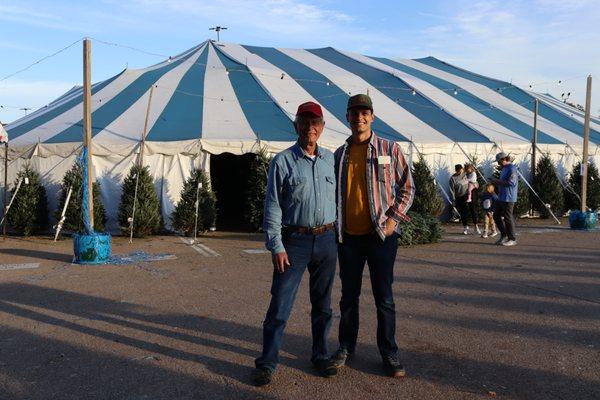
x: 143, y: 144
x: 534, y: 146
x: 87, y: 122
x: 5, y: 188
x: 586, y: 141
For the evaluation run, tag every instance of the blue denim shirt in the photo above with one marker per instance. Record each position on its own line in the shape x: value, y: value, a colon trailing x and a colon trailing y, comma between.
x: 509, y: 185
x: 300, y: 192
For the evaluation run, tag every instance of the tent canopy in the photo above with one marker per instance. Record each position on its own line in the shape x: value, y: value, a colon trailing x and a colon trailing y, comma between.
x: 228, y: 97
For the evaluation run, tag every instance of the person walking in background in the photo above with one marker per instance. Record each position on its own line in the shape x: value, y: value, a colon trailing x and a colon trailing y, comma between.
x: 299, y: 225
x: 508, y: 185
x: 458, y: 186
x: 488, y: 203
x: 375, y: 190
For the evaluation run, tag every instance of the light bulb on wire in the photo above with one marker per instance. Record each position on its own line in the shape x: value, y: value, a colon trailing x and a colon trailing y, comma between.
x: 414, y: 92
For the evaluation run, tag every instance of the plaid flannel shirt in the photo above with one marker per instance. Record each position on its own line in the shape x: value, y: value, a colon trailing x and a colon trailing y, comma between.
x: 389, y: 183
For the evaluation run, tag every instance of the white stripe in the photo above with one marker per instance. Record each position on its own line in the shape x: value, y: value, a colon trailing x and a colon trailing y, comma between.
x: 571, y: 112
x: 459, y: 110
x: 7, y: 267
x: 75, y: 114
x: 287, y: 93
x: 222, y: 119
x: 385, y: 108
x: 130, y: 123
x: 198, y: 249
x: 207, y: 249
x: 491, y: 96
x: 256, y: 251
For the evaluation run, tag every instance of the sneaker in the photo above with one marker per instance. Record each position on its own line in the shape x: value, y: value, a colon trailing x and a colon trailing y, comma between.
x: 478, y: 230
x: 393, y: 367
x: 261, y: 376
x: 510, y: 243
x: 466, y: 231
x: 340, y: 357
x: 325, y: 367
x: 500, y: 241
x: 495, y: 233
x: 485, y: 235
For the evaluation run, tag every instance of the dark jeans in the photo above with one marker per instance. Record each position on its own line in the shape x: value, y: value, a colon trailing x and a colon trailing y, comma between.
x: 465, y: 209
x: 380, y: 256
x: 318, y: 254
x: 505, y: 219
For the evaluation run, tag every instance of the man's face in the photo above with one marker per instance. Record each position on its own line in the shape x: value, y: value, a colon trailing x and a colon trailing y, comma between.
x: 309, y: 129
x: 360, y: 120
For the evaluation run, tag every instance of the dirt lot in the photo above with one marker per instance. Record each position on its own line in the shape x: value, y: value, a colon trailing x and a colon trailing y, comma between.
x: 474, y: 321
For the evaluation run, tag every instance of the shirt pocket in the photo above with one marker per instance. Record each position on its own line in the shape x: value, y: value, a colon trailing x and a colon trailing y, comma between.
x: 330, y: 188
x: 297, y: 187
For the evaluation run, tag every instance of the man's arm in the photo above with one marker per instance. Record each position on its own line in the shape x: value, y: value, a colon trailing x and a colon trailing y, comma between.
x: 405, y: 188
x: 272, y: 211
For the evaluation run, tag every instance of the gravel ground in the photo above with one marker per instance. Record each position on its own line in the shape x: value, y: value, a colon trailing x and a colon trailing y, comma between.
x: 474, y: 321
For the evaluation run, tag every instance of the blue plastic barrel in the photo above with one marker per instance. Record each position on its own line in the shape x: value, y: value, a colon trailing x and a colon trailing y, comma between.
x: 583, y: 220
x: 91, y: 248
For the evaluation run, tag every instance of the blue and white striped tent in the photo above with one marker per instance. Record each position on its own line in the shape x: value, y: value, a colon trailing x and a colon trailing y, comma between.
x: 223, y: 97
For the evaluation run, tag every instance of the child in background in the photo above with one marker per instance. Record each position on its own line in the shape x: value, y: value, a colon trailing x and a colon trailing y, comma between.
x: 471, y: 176
x: 488, y: 203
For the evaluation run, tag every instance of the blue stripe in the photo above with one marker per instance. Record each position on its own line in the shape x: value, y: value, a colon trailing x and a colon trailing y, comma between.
x: 50, y: 115
x: 515, y: 94
x: 472, y: 101
x: 182, y: 117
x: 399, y: 91
x: 316, y: 84
x: 110, y: 111
x: 267, y: 120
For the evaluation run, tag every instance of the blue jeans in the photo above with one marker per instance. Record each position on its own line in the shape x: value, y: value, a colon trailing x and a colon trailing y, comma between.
x: 318, y: 254
x: 380, y: 256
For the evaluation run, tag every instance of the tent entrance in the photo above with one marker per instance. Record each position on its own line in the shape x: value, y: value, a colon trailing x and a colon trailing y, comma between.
x: 229, y: 177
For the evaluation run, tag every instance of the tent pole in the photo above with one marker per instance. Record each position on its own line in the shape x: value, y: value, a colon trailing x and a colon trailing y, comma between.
x: 5, y: 187
x: 87, y: 122
x: 143, y: 143
x: 586, y: 141
x: 534, y: 146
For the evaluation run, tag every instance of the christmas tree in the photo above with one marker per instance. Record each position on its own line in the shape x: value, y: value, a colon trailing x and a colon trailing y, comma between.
x: 74, y: 215
x: 427, y: 200
x: 256, y: 189
x: 573, y: 190
x: 28, y: 213
x: 147, y: 218
x: 182, y: 217
x: 548, y: 187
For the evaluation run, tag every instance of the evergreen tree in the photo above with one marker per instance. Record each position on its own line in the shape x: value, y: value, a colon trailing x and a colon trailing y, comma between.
x: 28, y: 213
x: 147, y: 219
x: 420, y: 229
x: 572, y: 200
x: 427, y: 200
x: 523, y: 204
x: 256, y: 189
x: 74, y: 214
x: 548, y: 187
x: 182, y: 217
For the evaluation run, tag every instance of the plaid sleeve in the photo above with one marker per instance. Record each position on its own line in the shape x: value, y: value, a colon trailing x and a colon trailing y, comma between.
x: 405, y: 188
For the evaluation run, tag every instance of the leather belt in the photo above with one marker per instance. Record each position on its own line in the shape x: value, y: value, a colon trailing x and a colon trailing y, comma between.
x: 317, y: 230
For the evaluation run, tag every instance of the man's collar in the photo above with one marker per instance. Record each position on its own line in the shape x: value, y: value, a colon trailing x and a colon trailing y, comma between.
x: 371, y: 139
x: 300, y: 153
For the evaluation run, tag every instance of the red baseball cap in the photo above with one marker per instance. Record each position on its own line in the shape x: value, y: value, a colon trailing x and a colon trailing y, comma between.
x: 310, y: 108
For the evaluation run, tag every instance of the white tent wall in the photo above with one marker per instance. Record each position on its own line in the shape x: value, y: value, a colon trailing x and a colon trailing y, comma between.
x: 170, y: 168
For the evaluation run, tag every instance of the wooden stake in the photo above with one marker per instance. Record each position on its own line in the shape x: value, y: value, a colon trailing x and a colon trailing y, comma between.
x: 586, y: 141
x: 87, y: 122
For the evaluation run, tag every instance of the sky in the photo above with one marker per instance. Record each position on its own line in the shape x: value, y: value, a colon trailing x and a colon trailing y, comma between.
x: 529, y: 42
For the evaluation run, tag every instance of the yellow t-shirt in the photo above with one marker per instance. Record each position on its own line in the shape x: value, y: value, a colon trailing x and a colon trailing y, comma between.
x: 358, y: 217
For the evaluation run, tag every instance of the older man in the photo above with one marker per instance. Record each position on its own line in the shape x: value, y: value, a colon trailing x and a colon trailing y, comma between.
x: 375, y: 191
x: 300, y: 233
